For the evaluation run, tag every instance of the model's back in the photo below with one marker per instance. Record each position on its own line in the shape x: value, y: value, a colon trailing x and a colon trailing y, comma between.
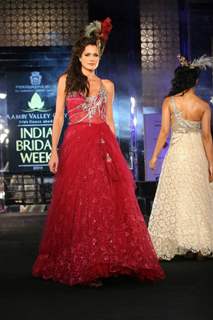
x: 182, y: 213
x: 191, y: 106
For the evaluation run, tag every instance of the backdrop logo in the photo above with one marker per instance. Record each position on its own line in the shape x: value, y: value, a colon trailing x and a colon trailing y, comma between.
x: 35, y: 78
x: 31, y: 97
x: 36, y: 104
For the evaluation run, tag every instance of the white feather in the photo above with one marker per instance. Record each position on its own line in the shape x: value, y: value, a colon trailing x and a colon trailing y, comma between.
x: 93, y: 27
x: 203, y: 62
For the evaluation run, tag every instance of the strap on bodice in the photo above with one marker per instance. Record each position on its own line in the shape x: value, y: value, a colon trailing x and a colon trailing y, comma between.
x: 175, y: 109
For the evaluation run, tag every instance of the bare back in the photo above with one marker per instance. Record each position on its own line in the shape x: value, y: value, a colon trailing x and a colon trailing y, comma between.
x: 194, y: 111
x: 191, y: 106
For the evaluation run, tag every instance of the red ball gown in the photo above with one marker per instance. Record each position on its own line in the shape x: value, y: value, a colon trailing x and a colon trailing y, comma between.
x: 94, y: 227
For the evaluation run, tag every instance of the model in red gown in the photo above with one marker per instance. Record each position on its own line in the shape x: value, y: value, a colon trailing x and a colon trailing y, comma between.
x: 94, y: 227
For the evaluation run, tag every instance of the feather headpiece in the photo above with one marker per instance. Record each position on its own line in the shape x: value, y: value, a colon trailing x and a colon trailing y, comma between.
x: 100, y: 30
x: 202, y: 63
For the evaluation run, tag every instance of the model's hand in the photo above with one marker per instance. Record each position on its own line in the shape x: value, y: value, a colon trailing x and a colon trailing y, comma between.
x: 53, y: 162
x: 210, y: 172
x: 152, y: 163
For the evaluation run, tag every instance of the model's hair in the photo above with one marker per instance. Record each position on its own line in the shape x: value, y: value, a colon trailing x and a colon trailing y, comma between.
x: 185, y: 78
x: 76, y: 81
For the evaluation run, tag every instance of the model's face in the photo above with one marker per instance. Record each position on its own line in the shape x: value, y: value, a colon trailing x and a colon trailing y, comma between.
x: 90, y: 58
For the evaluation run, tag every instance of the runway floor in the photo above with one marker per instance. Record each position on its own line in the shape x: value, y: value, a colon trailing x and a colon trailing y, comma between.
x: 186, y: 294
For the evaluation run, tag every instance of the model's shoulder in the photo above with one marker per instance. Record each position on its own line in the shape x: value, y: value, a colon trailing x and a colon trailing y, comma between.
x: 62, y: 78
x: 62, y: 82
x: 107, y: 83
x: 166, y: 101
x: 203, y: 103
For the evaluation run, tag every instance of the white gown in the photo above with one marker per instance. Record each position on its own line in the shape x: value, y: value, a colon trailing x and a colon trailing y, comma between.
x: 182, y: 215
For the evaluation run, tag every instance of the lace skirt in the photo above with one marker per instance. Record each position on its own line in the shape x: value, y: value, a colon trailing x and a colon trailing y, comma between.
x: 182, y: 213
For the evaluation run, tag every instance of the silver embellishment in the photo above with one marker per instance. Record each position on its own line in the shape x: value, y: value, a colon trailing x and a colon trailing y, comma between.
x: 180, y: 125
x: 91, y: 106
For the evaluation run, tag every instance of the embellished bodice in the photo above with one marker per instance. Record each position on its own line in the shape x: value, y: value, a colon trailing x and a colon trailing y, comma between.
x: 181, y: 125
x: 91, y: 109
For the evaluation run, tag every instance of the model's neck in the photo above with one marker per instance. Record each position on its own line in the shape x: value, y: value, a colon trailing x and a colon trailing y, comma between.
x: 88, y: 73
x: 191, y: 91
x: 188, y: 92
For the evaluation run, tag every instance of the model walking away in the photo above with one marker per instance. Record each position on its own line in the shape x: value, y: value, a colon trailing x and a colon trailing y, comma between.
x: 182, y: 213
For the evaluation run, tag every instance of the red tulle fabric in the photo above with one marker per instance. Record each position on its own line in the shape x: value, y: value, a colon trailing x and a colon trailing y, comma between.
x: 94, y: 227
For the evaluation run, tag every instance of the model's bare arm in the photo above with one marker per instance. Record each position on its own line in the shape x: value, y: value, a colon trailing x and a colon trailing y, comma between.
x: 57, y: 123
x: 207, y: 137
x: 59, y: 113
x: 163, y: 134
x: 109, y: 108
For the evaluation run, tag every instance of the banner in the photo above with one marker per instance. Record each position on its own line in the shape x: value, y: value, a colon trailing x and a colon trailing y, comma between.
x: 30, y: 107
x: 152, y: 124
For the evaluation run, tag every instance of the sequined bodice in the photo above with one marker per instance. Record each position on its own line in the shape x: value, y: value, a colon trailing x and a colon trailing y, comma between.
x: 91, y: 109
x: 181, y: 125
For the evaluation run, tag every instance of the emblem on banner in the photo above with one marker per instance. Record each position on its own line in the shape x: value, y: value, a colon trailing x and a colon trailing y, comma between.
x: 36, y: 104
x: 35, y: 78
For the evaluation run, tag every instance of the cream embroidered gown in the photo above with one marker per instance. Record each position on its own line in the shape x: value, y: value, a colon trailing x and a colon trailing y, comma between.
x: 182, y: 215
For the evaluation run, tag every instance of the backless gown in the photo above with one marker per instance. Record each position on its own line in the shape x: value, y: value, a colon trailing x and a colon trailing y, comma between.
x: 181, y: 220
